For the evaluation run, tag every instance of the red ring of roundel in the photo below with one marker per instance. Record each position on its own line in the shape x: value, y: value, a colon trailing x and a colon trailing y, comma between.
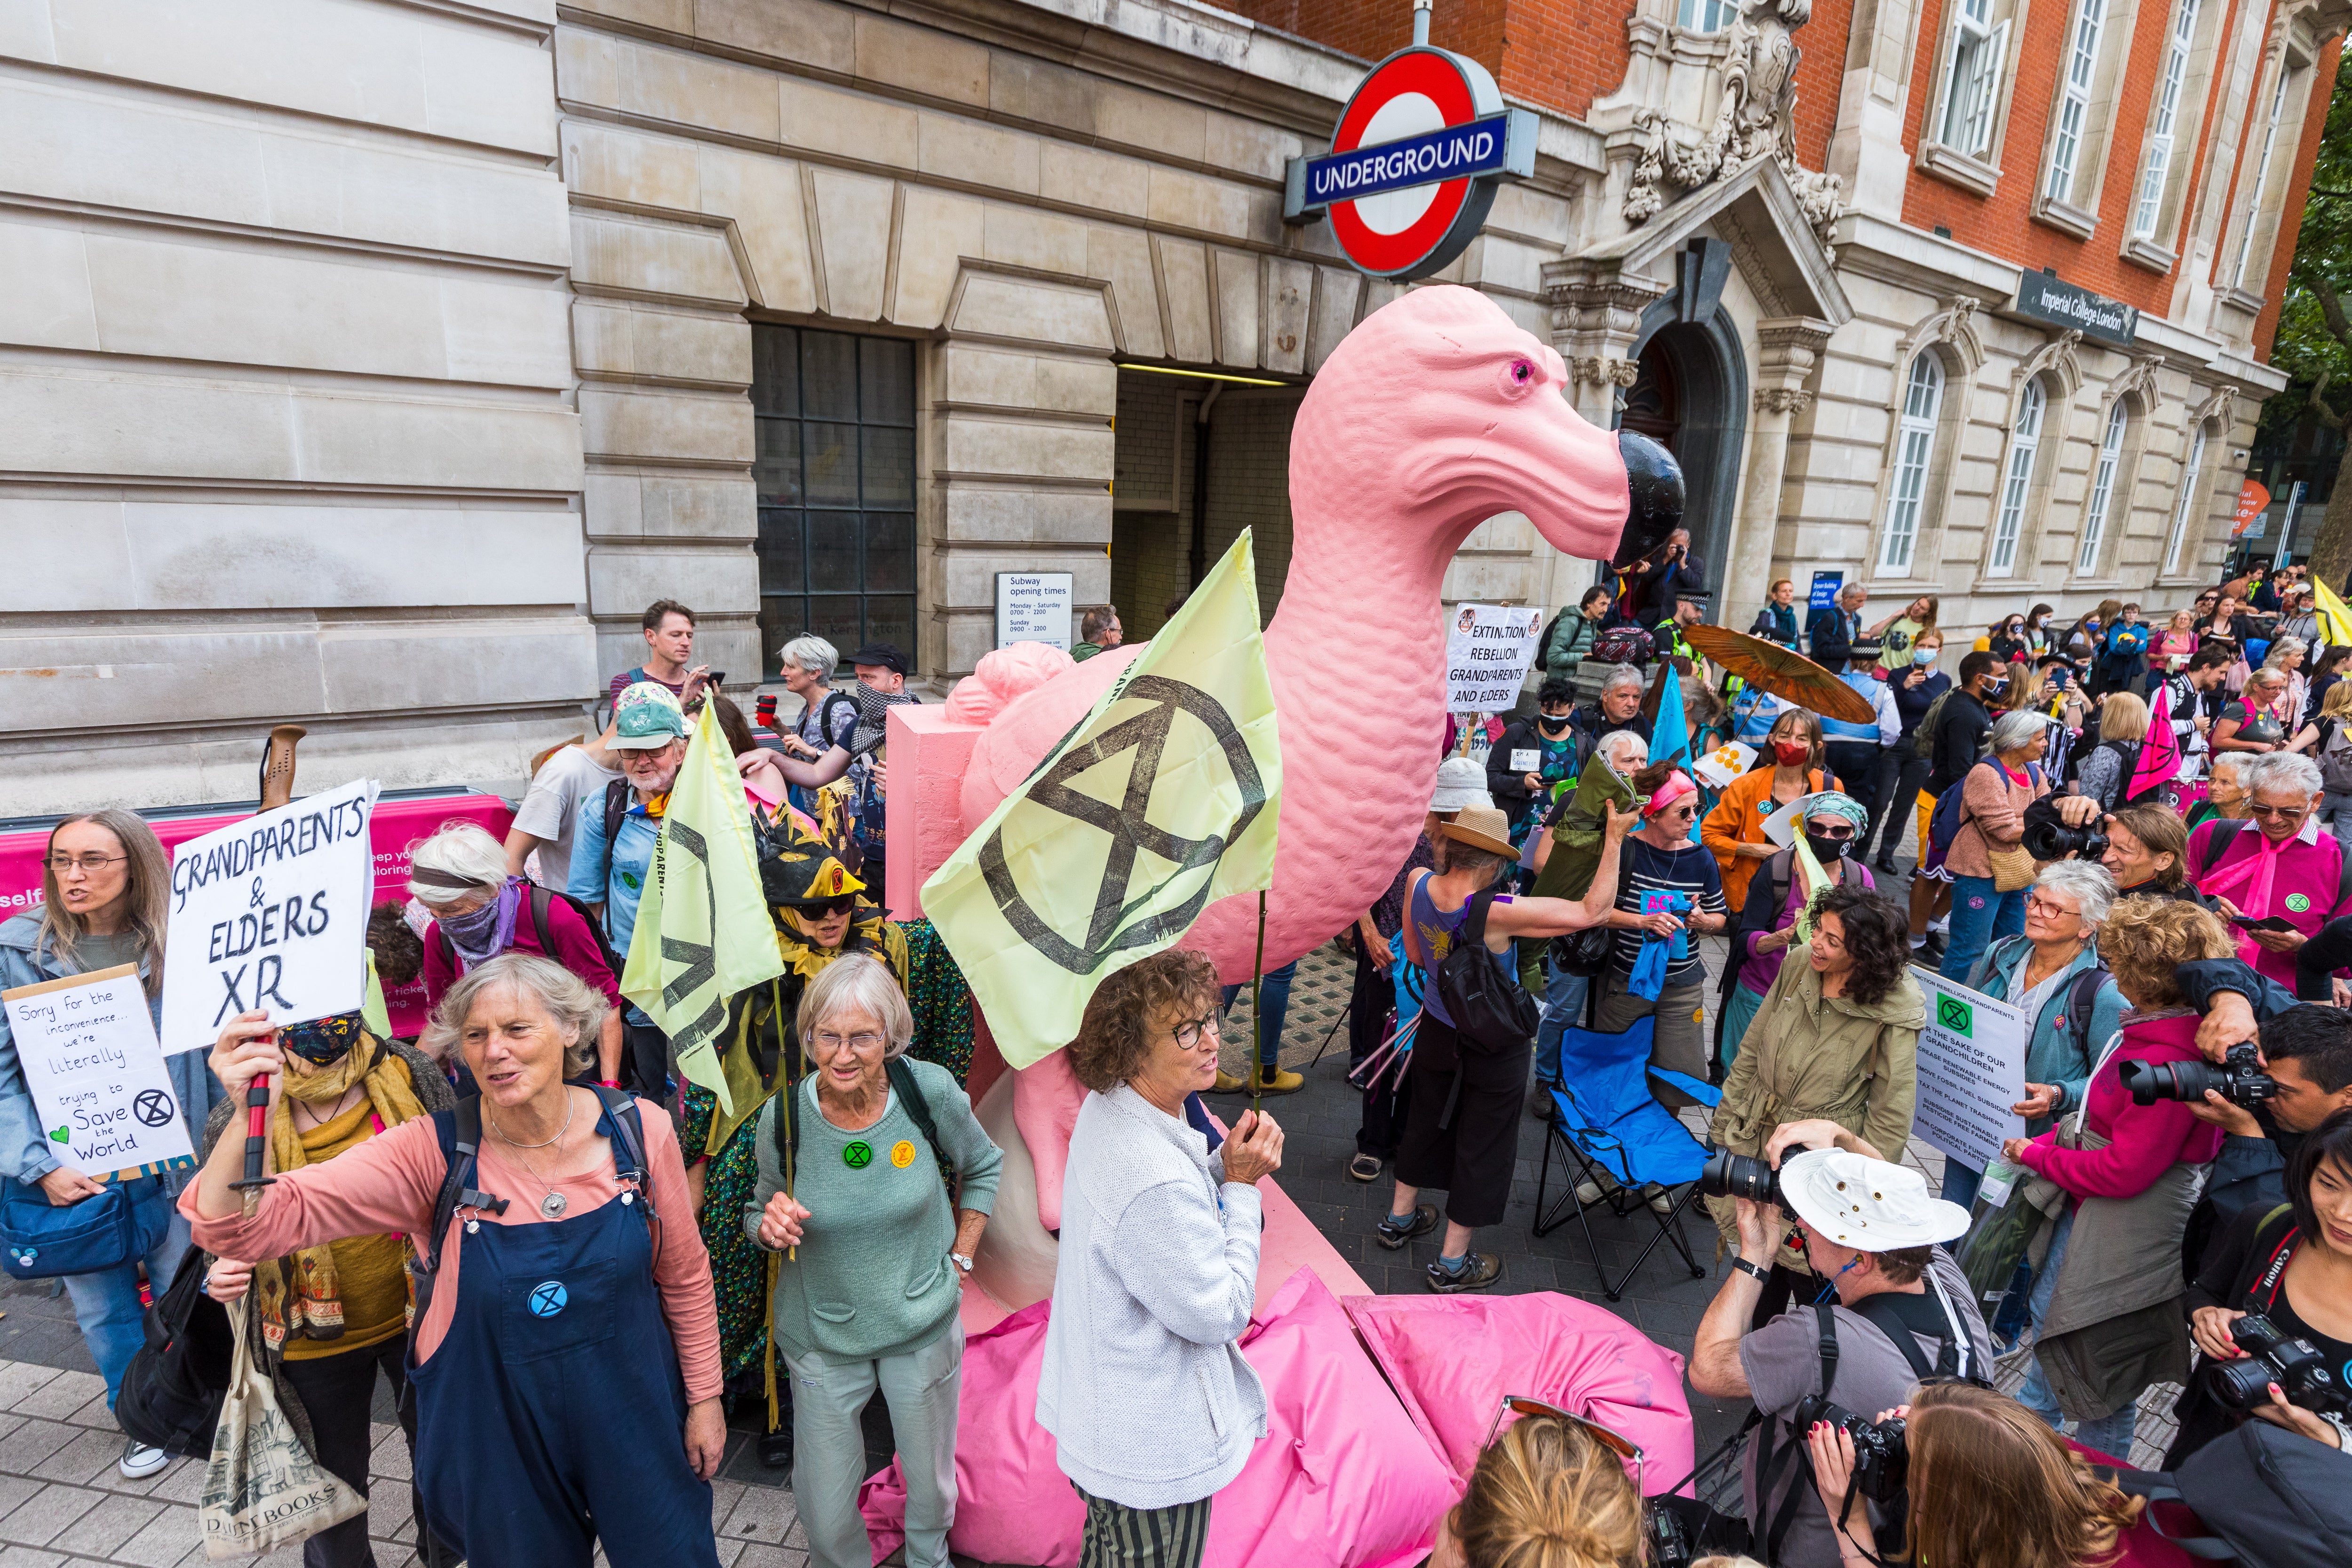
x: 1436, y: 77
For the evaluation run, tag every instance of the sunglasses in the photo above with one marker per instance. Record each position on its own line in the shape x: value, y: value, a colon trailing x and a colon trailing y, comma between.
x: 1834, y: 831
x: 1617, y: 1443
x: 829, y: 908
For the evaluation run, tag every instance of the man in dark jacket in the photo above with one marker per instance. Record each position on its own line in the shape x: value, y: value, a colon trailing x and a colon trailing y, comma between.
x: 1830, y: 633
x: 1966, y: 719
x: 1652, y: 586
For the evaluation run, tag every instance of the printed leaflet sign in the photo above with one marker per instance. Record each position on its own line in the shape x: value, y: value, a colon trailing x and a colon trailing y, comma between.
x: 1488, y: 648
x: 271, y: 913
x: 88, y: 1047
x: 1971, y: 1070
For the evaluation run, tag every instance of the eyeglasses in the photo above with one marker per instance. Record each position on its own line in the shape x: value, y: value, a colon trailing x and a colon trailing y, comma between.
x: 2281, y: 812
x: 2035, y: 904
x: 1617, y: 1443
x: 90, y: 865
x: 1192, y: 1031
x: 826, y: 1040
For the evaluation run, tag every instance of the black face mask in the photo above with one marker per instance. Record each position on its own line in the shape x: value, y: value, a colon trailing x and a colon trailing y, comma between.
x: 1554, y: 721
x: 1826, y: 849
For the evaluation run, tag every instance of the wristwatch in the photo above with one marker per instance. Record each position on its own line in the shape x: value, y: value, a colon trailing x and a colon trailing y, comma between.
x: 960, y: 1261
x: 1757, y: 1270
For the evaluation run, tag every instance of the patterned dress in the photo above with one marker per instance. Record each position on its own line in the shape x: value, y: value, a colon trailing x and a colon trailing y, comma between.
x: 739, y: 1268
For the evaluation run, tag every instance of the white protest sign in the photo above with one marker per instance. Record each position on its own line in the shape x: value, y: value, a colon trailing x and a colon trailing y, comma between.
x: 1526, y: 759
x: 88, y: 1047
x: 271, y: 913
x: 1780, y: 827
x: 1971, y: 1070
x: 1488, y: 649
x: 1724, y: 763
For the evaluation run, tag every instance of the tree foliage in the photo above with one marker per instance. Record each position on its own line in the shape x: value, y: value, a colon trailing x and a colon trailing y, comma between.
x: 2314, y: 332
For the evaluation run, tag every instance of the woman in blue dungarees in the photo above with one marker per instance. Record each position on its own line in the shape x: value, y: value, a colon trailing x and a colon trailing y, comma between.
x: 565, y: 1350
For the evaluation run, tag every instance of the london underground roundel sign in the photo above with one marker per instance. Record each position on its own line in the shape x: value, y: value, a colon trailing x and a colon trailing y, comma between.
x: 1414, y: 163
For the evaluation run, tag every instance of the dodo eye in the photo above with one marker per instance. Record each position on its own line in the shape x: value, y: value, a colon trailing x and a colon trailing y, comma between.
x: 1522, y: 371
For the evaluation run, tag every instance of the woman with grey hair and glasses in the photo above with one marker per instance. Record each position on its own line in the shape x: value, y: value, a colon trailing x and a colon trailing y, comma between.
x: 2051, y: 973
x: 1994, y: 795
x: 565, y: 1347
x: 853, y: 1193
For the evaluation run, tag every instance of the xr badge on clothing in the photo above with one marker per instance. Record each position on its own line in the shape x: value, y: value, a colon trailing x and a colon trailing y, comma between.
x: 547, y: 1300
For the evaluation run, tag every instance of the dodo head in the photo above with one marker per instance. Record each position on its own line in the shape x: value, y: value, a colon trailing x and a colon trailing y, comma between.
x: 1451, y: 412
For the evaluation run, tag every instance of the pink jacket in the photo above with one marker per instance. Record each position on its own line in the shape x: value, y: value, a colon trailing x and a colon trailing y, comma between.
x: 2142, y: 1141
x: 1994, y: 817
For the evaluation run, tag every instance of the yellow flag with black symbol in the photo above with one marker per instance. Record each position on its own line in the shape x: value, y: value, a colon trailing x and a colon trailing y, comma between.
x: 703, y: 931
x: 2335, y: 619
x: 1160, y: 802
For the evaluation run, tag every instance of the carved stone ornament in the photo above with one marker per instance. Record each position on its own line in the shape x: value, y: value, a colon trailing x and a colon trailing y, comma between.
x: 2140, y: 380
x: 2221, y: 407
x: 1755, y: 119
x: 2057, y: 358
x: 1782, y: 400
x: 1600, y: 372
x: 1954, y: 322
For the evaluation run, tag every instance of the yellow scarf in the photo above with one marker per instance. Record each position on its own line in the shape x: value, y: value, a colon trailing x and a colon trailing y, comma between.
x: 300, y: 1296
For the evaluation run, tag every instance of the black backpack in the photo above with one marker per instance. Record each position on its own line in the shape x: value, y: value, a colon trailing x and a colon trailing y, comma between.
x: 459, y: 1134
x: 1492, y: 1012
x: 2263, y: 1494
x: 903, y: 1086
x: 171, y: 1390
x: 1543, y: 640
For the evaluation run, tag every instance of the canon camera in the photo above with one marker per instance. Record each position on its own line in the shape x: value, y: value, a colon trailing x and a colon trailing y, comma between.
x: 2241, y: 1079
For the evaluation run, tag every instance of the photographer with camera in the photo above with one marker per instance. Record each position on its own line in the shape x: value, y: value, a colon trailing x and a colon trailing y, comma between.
x: 1985, y: 1484
x: 2282, y: 882
x: 1902, y: 1312
x: 2105, y: 1297
x: 2271, y: 1309
x: 2266, y: 1098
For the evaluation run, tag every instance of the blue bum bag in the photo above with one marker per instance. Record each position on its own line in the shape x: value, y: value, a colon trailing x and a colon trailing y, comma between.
x: 39, y: 1240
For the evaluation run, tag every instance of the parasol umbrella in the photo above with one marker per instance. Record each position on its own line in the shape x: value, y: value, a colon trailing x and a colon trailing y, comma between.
x: 1783, y: 673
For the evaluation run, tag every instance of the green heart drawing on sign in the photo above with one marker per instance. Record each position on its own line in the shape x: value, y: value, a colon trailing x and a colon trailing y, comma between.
x: 60, y: 1135
x: 1954, y: 1015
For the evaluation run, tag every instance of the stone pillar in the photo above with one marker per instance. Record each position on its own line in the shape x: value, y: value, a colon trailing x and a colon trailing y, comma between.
x: 1790, y: 347
x: 1596, y: 314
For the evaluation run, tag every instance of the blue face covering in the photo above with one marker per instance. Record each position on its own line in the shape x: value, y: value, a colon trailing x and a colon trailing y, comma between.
x: 1923, y: 656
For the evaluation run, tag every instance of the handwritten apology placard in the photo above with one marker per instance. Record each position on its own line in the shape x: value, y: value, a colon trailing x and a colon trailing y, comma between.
x: 270, y: 913
x: 96, y: 1072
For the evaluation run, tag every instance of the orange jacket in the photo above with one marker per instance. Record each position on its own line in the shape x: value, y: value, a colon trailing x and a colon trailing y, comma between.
x: 1739, y: 818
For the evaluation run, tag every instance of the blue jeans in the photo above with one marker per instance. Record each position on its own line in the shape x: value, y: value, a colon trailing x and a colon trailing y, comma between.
x: 1960, y: 1184
x: 1980, y: 917
x: 106, y: 1304
x: 1275, y: 993
x: 2111, y: 1434
x: 1564, y: 995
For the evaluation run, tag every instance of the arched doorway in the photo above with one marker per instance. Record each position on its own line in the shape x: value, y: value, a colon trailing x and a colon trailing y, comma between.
x: 1690, y: 394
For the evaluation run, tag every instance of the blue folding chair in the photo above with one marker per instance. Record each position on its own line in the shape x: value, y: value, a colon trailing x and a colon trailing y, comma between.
x: 1605, y: 1118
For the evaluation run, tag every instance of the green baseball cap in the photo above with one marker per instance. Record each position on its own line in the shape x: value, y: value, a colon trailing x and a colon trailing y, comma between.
x: 646, y: 718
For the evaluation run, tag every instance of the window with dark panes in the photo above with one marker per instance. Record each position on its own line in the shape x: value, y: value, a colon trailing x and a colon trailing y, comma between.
x: 836, y: 474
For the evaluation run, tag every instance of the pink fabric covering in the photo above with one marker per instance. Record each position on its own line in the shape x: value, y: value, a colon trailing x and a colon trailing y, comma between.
x: 1455, y: 1358
x: 1343, y: 1480
x: 1046, y: 1099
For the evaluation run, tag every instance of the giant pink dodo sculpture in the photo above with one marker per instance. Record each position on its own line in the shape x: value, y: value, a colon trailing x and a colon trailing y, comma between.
x: 1435, y: 414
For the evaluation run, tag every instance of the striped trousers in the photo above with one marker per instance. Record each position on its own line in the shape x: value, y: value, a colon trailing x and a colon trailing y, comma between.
x: 1119, y: 1536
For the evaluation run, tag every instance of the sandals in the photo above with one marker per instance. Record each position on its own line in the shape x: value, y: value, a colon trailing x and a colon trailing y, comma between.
x: 1364, y: 1168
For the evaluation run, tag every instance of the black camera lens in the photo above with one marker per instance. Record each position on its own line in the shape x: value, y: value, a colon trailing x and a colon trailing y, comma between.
x: 2243, y: 1384
x: 1729, y: 1176
x: 2241, y: 1081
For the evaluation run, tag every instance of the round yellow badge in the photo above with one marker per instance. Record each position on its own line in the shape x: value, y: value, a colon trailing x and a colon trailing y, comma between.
x: 902, y: 1153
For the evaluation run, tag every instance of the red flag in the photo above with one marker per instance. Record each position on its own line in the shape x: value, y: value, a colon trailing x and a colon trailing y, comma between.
x: 2160, y: 752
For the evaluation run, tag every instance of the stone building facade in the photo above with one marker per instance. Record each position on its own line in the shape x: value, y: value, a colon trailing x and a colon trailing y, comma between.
x: 371, y: 363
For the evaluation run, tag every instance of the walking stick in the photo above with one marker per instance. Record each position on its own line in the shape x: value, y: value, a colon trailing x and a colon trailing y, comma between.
x: 1257, y: 1011
x: 276, y: 789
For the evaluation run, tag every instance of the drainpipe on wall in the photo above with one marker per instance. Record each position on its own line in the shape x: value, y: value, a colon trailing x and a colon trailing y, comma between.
x: 1196, y: 565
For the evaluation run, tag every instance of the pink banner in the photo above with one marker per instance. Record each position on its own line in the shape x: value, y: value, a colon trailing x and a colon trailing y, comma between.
x: 397, y: 823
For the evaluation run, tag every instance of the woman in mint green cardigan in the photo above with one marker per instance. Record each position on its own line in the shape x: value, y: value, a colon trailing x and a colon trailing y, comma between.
x: 866, y: 1295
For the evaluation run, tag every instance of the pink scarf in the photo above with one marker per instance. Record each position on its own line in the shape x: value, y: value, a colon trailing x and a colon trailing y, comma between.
x: 2256, y: 874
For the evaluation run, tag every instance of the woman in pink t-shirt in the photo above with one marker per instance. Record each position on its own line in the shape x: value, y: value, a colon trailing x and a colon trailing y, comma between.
x: 479, y: 912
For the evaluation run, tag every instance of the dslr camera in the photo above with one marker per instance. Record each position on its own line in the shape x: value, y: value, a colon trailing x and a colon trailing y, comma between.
x: 2240, y: 1080
x: 2273, y: 1356
x: 1729, y: 1176
x: 2047, y: 837
x: 1882, y: 1462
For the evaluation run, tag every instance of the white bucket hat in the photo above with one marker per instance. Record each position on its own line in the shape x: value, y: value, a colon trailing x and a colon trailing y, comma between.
x: 1461, y: 783
x: 1871, y: 1205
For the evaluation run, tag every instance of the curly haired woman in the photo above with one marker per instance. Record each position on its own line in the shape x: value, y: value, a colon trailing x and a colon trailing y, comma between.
x: 1837, y: 1037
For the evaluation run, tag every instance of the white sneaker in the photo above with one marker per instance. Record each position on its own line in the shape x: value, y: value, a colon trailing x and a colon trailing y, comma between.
x: 138, y: 1459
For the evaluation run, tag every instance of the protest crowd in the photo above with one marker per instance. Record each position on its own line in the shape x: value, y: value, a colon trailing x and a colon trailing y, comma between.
x: 2129, y: 832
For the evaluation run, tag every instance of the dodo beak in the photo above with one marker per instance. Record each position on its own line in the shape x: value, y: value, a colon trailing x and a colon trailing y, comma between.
x: 1654, y: 484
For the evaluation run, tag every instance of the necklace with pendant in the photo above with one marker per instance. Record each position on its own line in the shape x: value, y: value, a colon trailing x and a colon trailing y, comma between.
x: 552, y: 1206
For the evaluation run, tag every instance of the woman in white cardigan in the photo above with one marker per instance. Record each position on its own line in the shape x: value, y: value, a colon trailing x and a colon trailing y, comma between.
x: 1157, y: 1273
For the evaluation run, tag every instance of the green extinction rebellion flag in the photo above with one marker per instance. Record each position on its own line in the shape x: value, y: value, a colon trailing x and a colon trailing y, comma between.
x: 1162, y: 800
x: 703, y: 931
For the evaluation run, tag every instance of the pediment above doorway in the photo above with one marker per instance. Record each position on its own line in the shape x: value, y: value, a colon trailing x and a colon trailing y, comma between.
x: 1755, y: 211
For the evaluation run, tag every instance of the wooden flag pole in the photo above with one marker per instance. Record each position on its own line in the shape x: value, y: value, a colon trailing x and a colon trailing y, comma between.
x: 1257, y: 1011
